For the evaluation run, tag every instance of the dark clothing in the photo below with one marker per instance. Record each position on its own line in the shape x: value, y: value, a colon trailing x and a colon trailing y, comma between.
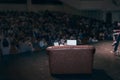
x: 117, y: 43
x: 5, y: 42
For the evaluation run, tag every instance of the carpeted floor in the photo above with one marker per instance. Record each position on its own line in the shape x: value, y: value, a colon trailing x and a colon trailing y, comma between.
x: 34, y: 66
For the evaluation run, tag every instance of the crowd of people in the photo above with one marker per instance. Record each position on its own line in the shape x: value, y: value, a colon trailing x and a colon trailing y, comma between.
x: 29, y: 31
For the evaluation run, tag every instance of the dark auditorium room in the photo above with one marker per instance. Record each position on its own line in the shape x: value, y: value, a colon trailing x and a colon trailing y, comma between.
x: 59, y: 39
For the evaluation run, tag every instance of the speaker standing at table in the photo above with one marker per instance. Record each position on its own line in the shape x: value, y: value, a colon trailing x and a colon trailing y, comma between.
x: 116, y: 38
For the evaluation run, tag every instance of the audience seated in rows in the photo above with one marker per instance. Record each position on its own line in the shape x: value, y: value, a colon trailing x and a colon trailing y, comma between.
x: 31, y: 31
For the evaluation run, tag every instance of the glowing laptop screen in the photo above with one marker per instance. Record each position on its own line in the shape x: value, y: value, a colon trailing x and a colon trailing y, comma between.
x: 56, y: 44
x: 71, y: 42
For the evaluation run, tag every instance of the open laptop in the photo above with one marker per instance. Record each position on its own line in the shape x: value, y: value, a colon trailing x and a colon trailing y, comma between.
x: 56, y: 44
x: 71, y: 42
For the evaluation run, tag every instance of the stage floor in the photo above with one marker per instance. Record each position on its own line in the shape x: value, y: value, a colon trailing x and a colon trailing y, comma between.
x: 34, y: 66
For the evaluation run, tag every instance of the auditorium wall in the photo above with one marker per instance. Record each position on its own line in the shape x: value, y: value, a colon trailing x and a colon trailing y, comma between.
x: 94, y: 9
x: 98, y: 7
x: 15, y: 7
x: 63, y: 8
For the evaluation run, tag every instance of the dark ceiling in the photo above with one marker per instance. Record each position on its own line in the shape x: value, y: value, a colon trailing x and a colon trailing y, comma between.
x: 33, y: 1
x: 13, y: 1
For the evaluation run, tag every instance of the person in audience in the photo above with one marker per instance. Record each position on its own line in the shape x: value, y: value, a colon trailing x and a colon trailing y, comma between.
x: 43, y: 43
x: 62, y: 41
x: 79, y: 41
x: 23, y: 47
x: 5, y: 45
x: 35, y: 44
x: 29, y: 46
